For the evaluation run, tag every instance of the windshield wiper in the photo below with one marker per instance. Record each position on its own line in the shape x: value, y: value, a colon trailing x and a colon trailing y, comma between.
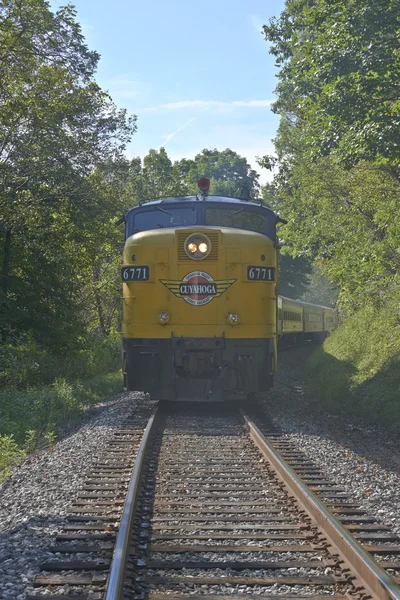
x: 235, y: 213
x: 165, y: 211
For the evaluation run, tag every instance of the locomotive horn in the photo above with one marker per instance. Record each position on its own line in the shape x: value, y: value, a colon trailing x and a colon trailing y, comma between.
x: 204, y: 184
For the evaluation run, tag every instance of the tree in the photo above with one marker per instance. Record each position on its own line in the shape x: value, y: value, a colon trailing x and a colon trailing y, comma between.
x: 346, y: 221
x: 320, y: 290
x: 338, y: 80
x: 100, y: 256
x: 338, y: 181
x: 159, y: 179
x: 56, y: 126
x: 293, y: 275
x: 229, y: 173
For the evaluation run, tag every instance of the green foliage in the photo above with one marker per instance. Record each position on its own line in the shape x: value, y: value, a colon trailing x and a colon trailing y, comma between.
x: 24, y: 363
x: 357, y: 371
x: 35, y: 417
x: 348, y: 222
x: 61, y: 141
x: 10, y: 454
x: 160, y: 179
x: 320, y: 290
x: 229, y: 173
x: 49, y: 437
x: 338, y: 182
x: 293, y: 275
x: 338, y: 80
x: 31, y: 440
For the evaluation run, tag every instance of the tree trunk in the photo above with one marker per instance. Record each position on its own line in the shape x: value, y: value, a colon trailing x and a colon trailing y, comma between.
x: 99, y: 306
x: 6, y: 261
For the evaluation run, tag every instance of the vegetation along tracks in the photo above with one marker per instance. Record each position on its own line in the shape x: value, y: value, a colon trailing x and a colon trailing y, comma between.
x: 219, y: 506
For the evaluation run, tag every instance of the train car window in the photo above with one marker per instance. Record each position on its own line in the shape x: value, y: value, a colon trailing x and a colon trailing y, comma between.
x: 159, y: 217
x: 290, y: 315
x: 240, y: 218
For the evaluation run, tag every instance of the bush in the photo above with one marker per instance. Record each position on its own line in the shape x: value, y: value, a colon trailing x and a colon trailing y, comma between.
x: 10, y: 454
x: 35, y: 417
x: 44, y: 392
x: 23, y: 363
x: 357, y: 371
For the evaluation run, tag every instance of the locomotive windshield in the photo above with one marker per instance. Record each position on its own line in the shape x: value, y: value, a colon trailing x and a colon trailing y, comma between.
x: 240, y: 218
x: 218, y: 212
x: 158, y: 217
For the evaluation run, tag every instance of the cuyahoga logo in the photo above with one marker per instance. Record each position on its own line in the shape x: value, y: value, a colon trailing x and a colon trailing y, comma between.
x: 198, y: 288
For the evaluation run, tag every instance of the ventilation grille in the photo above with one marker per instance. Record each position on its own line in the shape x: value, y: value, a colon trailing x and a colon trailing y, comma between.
x: 182, y: 237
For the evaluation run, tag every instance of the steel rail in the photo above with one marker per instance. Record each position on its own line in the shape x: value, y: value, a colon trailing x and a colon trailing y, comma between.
x: 116, y: 577
x: 377, y: 582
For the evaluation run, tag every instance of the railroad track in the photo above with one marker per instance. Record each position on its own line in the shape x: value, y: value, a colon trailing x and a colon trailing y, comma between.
x: 217, y: 506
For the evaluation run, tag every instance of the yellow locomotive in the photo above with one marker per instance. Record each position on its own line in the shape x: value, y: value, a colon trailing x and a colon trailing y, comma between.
x: 200, y: 318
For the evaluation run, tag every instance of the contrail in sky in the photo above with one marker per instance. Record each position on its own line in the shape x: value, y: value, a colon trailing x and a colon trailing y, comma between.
x: 173, y: 134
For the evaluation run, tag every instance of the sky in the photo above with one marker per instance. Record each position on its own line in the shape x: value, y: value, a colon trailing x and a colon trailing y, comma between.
x: 197, y: 74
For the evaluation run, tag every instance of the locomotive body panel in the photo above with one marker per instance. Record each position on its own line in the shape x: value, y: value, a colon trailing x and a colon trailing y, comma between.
x: 225, y: 282
x: 313, y: 317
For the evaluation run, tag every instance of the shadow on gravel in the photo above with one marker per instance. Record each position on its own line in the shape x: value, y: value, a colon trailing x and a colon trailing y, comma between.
x: 322, y: 404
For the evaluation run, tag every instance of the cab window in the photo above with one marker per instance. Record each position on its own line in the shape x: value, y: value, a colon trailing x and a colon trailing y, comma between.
x: 237, y: 217
x: 159, y: 217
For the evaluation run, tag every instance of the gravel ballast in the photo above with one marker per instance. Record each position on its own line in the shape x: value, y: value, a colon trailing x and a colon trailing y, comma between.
x: 362, y: 459
x: 39, y: 492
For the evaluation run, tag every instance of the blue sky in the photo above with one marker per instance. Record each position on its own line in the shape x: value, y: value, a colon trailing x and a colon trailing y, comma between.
x: 197, y: 74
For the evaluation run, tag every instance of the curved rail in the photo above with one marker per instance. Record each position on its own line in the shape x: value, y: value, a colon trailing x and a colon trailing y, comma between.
x: 378, y: 583
x: 116, y: 576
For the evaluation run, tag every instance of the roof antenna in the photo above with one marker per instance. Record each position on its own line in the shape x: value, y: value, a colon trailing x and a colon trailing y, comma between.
x: 244, y: 195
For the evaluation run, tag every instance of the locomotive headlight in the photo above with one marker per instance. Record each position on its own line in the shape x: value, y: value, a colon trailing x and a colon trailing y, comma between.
x: 203, y: 247
x: 197, y: 246
x: 163, y: 317
x: 233, y: 318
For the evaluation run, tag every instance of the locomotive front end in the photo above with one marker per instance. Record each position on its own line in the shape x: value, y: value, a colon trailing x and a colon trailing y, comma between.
x: 199, y: 301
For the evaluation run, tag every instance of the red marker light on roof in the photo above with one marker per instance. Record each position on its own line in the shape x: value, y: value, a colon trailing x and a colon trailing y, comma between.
x: 204, y: 184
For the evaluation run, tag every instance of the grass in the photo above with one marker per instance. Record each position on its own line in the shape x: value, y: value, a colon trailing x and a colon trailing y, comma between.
x: 35, y: 417
x: 44, y: 392
x: 25, y: 363
x: 357, y: 371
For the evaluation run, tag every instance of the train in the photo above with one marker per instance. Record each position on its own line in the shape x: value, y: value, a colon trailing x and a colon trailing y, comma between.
x: 299, y: 321
x: 202, y: 317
